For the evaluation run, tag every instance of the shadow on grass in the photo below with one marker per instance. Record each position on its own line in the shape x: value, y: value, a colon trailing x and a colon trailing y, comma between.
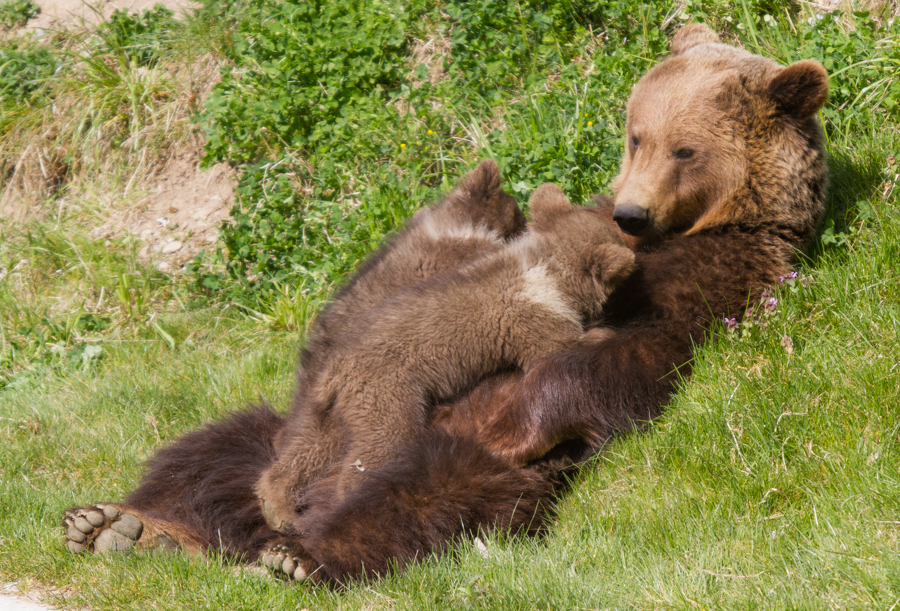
x: 853, y: 177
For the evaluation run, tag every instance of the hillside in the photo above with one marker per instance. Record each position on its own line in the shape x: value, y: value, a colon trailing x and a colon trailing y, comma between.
x: 180, y: 192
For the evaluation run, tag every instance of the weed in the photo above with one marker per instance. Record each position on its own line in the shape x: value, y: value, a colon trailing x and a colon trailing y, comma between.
x: 95, y: 106
x: 63, y: 295
x: 139, y: 37
x: 304, y: 73
x: 24, y: 68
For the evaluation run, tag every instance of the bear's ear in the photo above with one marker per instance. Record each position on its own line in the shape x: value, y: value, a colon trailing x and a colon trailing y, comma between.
x: 612, y: 264
x: 548, y: 201
x: 483, y: 182
x: 801, y: 89
x: 692, y: 35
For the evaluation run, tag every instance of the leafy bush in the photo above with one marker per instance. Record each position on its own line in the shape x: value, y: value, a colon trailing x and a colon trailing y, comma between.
x: 14, y: 13
x: 24, y: 68
x: 493, y: 41
x: 141, y: 37
x: 306, y: 75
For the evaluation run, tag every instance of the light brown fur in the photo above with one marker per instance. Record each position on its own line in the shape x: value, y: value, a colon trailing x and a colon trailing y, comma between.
x: 696, y: 141
x: 434, y: 341
x: 474, y: 220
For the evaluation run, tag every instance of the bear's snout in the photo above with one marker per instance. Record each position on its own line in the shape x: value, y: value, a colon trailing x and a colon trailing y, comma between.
x: 631, y: 218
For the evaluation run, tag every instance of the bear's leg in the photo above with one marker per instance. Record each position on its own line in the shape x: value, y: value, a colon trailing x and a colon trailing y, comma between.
x: 197, y: 493
x: 310, y: 444
x: 613, y: 381
x: 109, y: 527
x: 436, y: 491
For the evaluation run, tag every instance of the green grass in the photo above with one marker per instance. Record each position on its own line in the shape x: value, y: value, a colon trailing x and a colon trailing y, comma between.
x: 771, y: 482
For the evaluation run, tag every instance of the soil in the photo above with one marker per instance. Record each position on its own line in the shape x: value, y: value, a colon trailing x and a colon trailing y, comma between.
x: 15, y: 598
x: 183, y: 213
x: 73, y: 12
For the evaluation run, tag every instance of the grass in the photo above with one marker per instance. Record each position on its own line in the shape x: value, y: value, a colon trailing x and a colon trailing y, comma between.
x: 96, y: 106
x: 771, y: 482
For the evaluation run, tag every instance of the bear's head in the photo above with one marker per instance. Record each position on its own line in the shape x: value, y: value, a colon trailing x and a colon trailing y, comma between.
x: 718, y: 136
x: 581, y: 246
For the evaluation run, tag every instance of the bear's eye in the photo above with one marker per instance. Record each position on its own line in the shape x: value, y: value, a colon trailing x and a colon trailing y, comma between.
x: 635, y: 142
x: 684, y: 153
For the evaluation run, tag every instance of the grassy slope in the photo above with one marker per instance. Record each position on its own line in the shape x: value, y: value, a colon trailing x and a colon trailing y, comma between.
x: 773, y: 481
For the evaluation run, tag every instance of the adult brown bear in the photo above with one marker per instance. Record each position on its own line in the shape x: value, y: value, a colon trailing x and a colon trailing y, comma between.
x: 722, y: 182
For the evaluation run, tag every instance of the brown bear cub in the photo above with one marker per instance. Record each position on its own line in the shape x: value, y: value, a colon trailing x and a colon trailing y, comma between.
x: 436, y: 340
x: 476, y: 219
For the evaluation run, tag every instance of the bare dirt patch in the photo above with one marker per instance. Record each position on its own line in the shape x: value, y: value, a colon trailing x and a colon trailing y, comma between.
x: 55, y: 13
x: 182, y: 214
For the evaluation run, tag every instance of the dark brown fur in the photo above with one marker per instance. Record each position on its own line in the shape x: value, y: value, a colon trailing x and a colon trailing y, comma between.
x: 204, y: 483
x: 477, y: 491
x: 708, y: 249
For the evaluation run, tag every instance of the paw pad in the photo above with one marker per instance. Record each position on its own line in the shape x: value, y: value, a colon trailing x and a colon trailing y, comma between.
x: 281, y: 562
x: 102, y: 529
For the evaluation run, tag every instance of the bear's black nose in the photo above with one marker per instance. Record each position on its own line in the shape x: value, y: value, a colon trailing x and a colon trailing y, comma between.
x: 631, y: 218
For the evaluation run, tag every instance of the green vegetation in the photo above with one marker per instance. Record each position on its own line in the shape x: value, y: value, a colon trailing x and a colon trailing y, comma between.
x: 773, y: 481
x: 348, y: 128
x: 14, y: 13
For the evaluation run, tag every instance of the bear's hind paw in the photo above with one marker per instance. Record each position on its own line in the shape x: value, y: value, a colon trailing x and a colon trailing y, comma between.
x: 101, y: 529
x: 286, y: 564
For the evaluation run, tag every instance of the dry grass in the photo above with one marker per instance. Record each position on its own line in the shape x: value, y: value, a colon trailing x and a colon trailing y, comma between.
x: 881, y: 10
x: 434, y: 53
x: 102, y: 117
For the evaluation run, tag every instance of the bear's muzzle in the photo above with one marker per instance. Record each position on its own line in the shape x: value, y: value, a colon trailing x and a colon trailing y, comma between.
x: 631, y: 218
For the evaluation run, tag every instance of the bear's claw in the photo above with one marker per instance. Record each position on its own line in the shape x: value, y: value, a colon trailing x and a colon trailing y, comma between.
x: 283, y: 563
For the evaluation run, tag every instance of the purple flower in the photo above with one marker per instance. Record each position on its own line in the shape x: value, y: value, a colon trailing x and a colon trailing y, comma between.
x: 731, y: 324
x: 771, y: 304
x: 790, y: 276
